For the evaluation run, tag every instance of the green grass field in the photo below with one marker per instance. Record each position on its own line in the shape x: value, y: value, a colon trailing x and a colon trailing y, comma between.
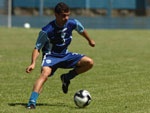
x: 119, y: 81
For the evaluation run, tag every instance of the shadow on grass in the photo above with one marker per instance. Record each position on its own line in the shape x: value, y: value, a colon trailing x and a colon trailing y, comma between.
x: 42, y: 104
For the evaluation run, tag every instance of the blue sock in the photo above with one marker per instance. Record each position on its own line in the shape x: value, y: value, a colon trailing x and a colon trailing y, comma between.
x: 33, y: 98
x: 71, y: 74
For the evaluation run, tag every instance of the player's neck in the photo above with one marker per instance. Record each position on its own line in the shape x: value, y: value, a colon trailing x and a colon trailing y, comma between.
x: 59, y: 24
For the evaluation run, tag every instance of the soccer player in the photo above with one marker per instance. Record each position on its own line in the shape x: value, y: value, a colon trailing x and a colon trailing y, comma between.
x: 54, y: 40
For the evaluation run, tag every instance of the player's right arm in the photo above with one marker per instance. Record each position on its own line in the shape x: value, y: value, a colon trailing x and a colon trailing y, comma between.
x: 42, y: 38
x: 35, y: 55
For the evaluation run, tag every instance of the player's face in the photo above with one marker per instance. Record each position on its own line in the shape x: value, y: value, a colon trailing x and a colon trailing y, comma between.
x: 62, y: 18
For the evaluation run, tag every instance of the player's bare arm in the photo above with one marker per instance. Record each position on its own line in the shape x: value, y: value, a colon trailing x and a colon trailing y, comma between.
x: 35, y: 55
x: 85, y: 34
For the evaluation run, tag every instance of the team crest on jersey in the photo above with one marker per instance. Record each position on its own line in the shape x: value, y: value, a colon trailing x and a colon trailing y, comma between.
x: 48, y: 61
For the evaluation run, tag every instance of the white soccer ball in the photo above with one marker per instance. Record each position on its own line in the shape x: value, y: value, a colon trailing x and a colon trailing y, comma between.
x: 27, y: 25
x: 82, y: 98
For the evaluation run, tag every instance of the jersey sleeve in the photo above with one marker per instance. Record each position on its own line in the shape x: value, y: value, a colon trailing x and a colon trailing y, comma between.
x: 42, y: 39
x: 79, y: 28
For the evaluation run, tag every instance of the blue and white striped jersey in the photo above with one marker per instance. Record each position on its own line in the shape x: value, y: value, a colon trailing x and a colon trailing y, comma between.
x: 54, y: 39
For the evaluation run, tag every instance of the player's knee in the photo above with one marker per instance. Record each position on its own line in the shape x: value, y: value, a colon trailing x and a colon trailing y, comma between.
x: 46, y: 71
x: 90, y: 62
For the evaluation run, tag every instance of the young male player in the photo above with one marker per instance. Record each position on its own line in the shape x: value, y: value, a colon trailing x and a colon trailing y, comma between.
x: 54, y: 40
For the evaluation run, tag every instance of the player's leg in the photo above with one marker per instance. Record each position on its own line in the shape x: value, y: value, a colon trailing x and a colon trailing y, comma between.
x: 83, y: 65
x: 46, y: 71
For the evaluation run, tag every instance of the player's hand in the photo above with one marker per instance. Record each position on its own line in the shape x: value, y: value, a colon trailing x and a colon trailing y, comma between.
x: 92, y: 43
x: 30, y: 68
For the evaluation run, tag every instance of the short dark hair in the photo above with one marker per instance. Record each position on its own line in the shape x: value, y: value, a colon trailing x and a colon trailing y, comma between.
x: 61, y: 7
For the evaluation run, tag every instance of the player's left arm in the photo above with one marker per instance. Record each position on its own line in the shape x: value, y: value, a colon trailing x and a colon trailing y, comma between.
x: 80, y: 29
x: 85, y: 34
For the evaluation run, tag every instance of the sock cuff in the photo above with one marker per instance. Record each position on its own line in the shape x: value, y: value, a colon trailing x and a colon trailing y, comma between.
x: 73, y: 72
x: 35, y: 94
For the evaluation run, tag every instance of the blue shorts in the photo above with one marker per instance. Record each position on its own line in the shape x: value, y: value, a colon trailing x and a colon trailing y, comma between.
x: 66, y: 61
